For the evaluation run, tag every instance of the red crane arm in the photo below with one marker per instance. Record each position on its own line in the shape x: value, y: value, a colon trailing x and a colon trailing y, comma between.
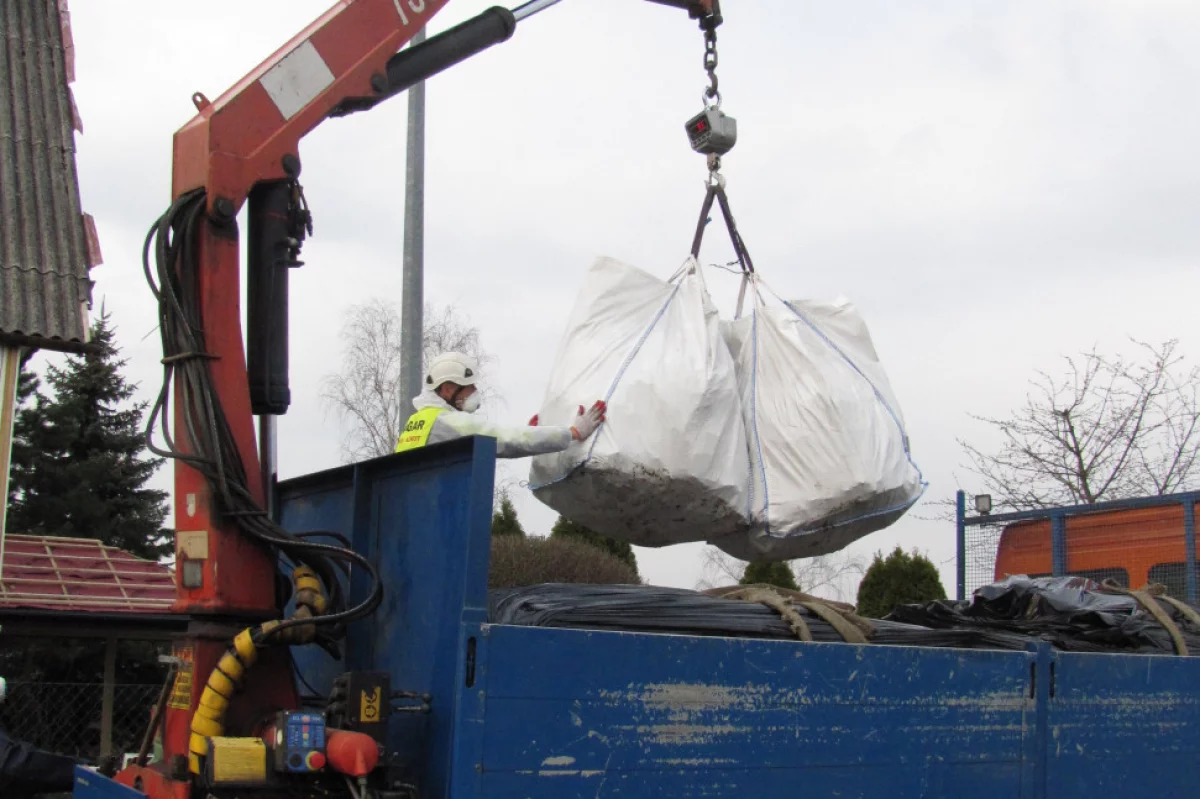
x: 243, y: 136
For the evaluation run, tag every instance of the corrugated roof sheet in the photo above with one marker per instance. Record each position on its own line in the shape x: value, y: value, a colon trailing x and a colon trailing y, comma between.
x: 80, y: 574
x: 47, y: 244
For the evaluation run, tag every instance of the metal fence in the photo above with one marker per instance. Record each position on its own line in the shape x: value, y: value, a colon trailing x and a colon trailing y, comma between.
x: 69, y: 718
x: 1133, y: 542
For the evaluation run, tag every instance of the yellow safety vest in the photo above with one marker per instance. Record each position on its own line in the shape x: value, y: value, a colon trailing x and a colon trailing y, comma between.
x: 416, y: 431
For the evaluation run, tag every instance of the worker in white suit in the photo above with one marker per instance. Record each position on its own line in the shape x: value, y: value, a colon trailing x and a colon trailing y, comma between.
x: 445, y: 410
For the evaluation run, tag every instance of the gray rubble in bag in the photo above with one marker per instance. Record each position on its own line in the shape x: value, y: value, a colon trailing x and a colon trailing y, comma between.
x: 860, y: 502
x: 670, y: 464
x: 644, y: 506
x: 830, y: 463
x: 832, y: 534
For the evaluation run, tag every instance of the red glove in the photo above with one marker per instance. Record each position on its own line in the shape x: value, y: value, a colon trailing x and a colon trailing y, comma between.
x: 533, y: 421
x: 587, y: 421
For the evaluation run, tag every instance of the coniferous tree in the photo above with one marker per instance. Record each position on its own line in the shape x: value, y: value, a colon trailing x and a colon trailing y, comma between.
x: 777, y: 573
x: 21, y: 455
x: 898, y: 579
x: 505, y: 521
x: 80, y: 463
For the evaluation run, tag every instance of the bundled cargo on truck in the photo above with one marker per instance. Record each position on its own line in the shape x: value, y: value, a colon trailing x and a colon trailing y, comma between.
x: 655, y: 609
x: 1072, y: 614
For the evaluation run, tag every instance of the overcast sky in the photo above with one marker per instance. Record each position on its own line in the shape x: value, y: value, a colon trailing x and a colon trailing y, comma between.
x: 993, y: 184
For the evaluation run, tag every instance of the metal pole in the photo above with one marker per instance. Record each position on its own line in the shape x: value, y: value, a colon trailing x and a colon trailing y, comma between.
x: 1189, y: 536
x: 10, y: 370
x: 412, y: 296
x: 268, y: 457
x: 960, y: 516
x: 1058, y: 544
x: 529, y: 9
x: 108, y: 696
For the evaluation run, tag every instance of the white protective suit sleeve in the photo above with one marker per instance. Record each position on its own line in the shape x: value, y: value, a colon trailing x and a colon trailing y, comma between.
x: 511, y: 442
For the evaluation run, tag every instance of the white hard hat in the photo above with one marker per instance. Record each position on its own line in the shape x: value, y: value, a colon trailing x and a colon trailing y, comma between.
x: 452, y: 367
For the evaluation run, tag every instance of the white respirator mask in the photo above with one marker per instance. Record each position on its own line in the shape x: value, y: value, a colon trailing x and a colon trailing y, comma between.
x: 471, y: 403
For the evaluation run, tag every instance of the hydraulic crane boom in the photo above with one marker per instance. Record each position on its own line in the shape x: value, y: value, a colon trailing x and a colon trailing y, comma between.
x: 243, y: 147
x: 349, y: 59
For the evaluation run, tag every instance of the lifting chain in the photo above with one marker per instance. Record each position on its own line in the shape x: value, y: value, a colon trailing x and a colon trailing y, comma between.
x: 712, y: 96
x: 712, y: 132
x: 715, y: 178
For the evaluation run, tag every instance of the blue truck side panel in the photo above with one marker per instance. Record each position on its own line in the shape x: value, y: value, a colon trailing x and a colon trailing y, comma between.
x: 90, y: 785
x: 424, y: 520
x: 1128, y: 724
x: 324, y: 501
x: 542, y: 712
x: 726, y: 715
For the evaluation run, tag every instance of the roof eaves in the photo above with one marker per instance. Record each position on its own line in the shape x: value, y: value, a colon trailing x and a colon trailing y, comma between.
x: 47, y: 244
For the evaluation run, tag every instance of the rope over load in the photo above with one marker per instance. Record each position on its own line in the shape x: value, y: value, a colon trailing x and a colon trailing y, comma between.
x: 1149, y: 598
x: 853, y: 628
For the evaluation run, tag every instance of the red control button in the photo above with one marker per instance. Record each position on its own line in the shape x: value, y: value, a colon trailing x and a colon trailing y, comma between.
x: 315, y: 761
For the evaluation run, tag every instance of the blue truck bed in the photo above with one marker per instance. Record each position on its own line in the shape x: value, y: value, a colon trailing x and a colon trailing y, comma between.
x: 547, y: 712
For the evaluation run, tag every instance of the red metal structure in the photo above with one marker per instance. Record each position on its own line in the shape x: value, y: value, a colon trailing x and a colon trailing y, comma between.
x: 244, y: 147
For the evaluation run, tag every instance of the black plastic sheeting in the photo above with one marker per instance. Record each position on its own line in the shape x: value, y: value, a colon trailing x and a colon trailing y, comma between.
x: 1073, y: 614
x: 635, y: 608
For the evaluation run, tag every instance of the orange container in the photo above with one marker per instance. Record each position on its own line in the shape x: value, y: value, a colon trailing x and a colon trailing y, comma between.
x: 1132, y: 547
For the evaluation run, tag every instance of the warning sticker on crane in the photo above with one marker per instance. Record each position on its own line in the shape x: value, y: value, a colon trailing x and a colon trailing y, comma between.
x: 370, y: 705
x: 181, y: 691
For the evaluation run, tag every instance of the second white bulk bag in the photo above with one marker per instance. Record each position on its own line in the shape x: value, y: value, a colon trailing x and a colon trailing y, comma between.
x: 829, y: 452
x: 670, y: 464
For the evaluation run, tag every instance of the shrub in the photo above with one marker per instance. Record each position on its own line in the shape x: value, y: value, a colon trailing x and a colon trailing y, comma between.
x: 519, y: 562
x: 900, y: 579
x: 777, y: 573
x: 621, y: 550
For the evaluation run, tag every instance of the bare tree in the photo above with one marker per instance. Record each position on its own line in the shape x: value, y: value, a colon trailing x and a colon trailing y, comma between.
x: 1106, y: 428
x: 834, y: 576
x: 365, y: 390
x: 504, y: 486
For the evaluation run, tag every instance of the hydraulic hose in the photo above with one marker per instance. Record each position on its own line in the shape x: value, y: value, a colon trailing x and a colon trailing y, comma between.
x: 227, y: 677
x: 174, y: 276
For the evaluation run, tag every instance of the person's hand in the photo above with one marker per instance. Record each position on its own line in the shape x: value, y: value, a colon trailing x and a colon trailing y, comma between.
x: 587, y: 421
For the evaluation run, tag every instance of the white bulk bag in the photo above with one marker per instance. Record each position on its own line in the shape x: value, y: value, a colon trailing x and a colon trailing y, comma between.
x: 827, y: 442
x: 671, y: 463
